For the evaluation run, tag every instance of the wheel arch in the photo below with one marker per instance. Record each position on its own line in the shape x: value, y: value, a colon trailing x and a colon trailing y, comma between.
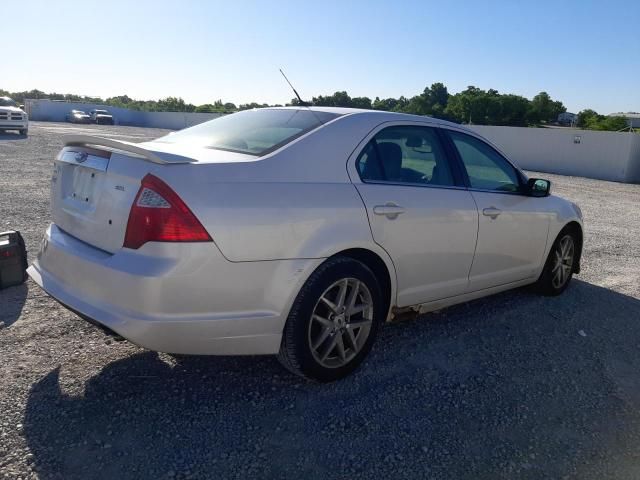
x: 577, y: 229
x: 383, y: 270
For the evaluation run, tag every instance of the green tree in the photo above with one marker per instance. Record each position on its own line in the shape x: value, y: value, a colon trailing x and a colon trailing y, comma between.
x: 338, y: 99
x: 401, y: 104
x: 614, y: 123
x: 439, y: 95
x: 123, y: 101
x: 173, y: 104
x: 388, y: 104
x: 249, y: 106
x: 585, y: 117
x: 513, y: 110
x: 205, y: 108
x: 417, y: 105
x: 432, y: 101
x: 592, y: 120
x: 473, y: 105
x: 544, y: 109
x: 361, y: 102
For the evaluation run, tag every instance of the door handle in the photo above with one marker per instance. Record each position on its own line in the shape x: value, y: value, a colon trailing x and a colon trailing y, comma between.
x: 389, y: 210
x: 492, y: 212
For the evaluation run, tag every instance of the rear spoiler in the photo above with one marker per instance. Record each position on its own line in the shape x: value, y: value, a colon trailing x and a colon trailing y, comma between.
x: 127, y: 147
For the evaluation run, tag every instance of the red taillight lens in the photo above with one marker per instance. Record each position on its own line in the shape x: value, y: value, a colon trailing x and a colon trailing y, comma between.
x: 158, y: 214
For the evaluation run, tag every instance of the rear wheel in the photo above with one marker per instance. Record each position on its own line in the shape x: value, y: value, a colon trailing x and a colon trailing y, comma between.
x: 560, y: 265
x: 333, y: 321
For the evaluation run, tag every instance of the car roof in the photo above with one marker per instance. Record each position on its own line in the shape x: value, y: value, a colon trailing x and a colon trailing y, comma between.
x: 382, y: 115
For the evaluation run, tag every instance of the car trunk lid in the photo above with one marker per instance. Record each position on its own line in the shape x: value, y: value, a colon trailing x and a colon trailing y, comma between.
x: 94, y: 183
x: 96, y: 180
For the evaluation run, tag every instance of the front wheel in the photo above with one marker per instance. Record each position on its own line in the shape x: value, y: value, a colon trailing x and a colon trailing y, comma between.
x: 560, y: 265
x: 333, y: 321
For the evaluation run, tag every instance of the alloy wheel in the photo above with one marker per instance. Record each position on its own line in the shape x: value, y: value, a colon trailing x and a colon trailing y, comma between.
x: 341, y: 322
x: 563, y: 261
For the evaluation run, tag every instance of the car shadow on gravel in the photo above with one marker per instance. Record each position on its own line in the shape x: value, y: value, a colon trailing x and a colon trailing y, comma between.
x: 12, y: 300
x: 12, y: 136
x: 511, y: 386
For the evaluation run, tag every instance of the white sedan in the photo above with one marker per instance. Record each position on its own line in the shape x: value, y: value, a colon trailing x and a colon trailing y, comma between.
x: 295, y: 231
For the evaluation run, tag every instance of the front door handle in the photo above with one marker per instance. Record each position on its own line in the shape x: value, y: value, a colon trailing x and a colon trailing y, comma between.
x: 389, y: 210
x: 492, y: 212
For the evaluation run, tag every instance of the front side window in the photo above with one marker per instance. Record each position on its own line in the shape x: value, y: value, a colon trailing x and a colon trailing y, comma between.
x: 405, y: 154
x: 255, y: 132
x: 486, y: 168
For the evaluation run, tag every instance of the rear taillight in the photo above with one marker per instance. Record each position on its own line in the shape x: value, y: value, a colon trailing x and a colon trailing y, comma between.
x: 158, y: 214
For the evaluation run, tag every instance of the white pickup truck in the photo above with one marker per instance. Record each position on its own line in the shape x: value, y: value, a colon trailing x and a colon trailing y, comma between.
x: 12, y: 117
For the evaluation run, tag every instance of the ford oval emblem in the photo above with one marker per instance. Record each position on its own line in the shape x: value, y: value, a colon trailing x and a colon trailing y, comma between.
x: 81, y: 157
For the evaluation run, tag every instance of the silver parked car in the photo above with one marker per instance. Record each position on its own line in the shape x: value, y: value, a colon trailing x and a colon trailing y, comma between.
x: 77, y: 116
x: 295, y: 231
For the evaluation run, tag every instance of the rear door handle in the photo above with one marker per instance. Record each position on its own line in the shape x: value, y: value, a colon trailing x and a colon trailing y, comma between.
x: 492, y: 212
x: 390, y: 210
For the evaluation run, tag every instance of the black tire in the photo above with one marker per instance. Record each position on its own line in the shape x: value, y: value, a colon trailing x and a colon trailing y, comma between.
x: 547, y: 284
x: 295, y: 350
x: 24, y: 132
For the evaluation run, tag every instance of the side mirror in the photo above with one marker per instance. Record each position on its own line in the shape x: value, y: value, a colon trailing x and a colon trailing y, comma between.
x: 538, y: 187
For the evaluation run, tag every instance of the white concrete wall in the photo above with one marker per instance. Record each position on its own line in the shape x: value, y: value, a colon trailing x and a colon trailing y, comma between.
x: 51, y: 111
x: 602, y: 155
x: 175, y: 120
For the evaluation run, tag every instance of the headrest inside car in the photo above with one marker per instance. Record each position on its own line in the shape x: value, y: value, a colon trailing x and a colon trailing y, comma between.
x: 413, y: 141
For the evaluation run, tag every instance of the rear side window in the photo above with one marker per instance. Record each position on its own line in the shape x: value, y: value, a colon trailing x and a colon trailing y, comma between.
x: 405, y: 154
x: 255, y: 132
x: 486, y: 168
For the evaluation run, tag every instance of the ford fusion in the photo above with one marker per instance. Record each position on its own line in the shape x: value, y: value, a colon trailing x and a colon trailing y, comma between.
x: 295, y: 232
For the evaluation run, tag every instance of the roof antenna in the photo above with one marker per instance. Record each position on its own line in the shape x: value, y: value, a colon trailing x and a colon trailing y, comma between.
x: 302, y: 102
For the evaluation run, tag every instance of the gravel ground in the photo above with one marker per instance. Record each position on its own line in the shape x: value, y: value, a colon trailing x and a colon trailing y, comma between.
x: 511, y: 386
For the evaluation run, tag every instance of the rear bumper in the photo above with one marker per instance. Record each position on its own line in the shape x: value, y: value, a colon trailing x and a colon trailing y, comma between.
x: 176, y: 298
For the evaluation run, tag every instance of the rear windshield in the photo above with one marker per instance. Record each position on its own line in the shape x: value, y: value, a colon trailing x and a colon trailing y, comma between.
x: 255, y: 132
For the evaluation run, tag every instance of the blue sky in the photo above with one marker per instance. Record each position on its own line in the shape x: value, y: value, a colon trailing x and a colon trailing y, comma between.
x: 585, y: 53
